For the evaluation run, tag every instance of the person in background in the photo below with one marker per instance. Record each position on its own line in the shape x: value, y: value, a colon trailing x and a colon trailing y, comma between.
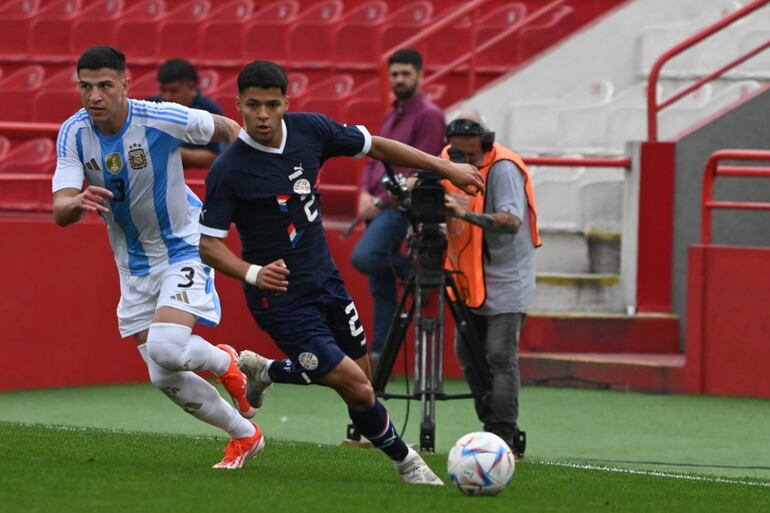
x: 178, y: 82
x: 414, y: 120
x: 492, y: 238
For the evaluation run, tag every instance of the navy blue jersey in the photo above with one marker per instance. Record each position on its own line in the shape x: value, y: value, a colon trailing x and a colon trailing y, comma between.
x: 271, y: 194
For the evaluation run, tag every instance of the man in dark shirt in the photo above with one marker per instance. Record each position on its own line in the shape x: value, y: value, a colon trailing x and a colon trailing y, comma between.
x: 412, y: 120
x: 178, y: 83
x: 267, y: 184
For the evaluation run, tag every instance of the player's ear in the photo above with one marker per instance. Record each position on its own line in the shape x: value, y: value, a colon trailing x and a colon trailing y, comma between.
x: 126, y: 85
x: 286, y: 104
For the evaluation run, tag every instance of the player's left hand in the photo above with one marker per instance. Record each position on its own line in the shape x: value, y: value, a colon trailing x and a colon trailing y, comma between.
x: 274, y: 277
x: 466, y: 177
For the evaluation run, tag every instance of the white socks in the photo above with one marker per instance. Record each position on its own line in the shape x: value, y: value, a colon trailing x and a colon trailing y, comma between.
x: 197, y: 396
x: 174, y: 348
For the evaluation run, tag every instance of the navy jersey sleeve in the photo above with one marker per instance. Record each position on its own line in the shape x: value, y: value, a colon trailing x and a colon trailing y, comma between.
x: 342, y: 140
x: 217, y: 212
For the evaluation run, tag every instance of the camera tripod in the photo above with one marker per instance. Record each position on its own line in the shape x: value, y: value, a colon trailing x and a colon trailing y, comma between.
x: 422, y: 286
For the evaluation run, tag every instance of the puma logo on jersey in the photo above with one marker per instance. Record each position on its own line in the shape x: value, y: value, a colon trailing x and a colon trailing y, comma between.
x: 297, y: 172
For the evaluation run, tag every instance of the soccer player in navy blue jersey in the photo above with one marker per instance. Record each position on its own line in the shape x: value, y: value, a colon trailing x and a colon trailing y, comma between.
x: 267, y: 184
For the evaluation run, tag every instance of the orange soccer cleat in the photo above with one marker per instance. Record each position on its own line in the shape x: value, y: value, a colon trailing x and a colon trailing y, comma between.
x: 240, y: 450
x: 234, y: 382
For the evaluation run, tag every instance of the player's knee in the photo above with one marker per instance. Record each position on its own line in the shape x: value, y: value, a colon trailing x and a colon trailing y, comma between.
x: 361, y: 396
x: 166, y: 344
x: 361, y: 260
x: 500, y: 362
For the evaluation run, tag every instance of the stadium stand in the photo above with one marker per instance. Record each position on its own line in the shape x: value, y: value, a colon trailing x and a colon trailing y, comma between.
x: 136, y: 33
x: 326, y: 96
x: 356, y: 39
x: 57, y: 98
x: 224, y: 31
x: 266, y: 34
x: 5, y: 146
x: 88, y: 29
x: 16, y: 89
x: 309, y: 39
x: 179, y: 34
x: 51, y: 30
x: 15, y: 20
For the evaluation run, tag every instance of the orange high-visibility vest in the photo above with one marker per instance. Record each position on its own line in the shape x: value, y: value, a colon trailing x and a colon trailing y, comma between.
x: 465, y: 251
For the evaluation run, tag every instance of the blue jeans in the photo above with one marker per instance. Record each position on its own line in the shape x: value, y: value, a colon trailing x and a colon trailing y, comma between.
x: 378, y: 256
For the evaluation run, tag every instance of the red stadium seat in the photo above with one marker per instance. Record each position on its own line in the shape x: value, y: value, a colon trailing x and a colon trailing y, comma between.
x: 310, y: 36
x: 57, y: 98
x: 326, y: 96
x: 15, y: 92
x: 223, y: 32
x: 208, y: 80
x: 500, y: 56
x: 137, y: 31
x: 434, y: 92
x: 144, y: 86
x: 265, y: 36
x: 405, y: 23
x: 33, y: 156
x: 5, y: 146
x: 356, y: 39
x: 89, y: 27
x: 51, y: 30
x: 180, y: 33
x: 15, y: 19
x: 535, y: 38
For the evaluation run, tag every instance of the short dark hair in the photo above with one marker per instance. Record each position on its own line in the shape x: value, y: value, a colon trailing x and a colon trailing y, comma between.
x: 406, y: 56
x: 174, y: 70
x: 98, y: 57
x: 262, y: 74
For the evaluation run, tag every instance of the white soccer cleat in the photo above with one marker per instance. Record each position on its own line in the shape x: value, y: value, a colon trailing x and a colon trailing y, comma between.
x: 253, y: 365
x: 414, y: 470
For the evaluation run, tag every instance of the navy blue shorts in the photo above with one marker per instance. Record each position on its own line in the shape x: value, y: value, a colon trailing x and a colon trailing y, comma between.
x: 317, y: 330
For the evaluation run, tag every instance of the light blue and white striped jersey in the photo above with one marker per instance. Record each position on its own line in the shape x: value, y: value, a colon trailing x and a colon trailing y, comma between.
x: 153, y: 217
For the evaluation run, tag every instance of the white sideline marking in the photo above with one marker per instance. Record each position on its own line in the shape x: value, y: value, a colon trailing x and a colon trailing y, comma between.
x: 655, y: 473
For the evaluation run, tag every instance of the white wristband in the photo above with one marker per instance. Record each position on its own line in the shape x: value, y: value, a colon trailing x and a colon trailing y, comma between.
x: 251, y: 274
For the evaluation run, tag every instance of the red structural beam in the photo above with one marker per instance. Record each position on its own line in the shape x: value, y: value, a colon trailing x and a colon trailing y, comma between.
x: 712, y: 170
x: 652, y: 82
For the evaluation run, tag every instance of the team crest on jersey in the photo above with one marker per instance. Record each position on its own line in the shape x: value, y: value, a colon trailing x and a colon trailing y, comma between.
x: 114, y: 163
x: 308, y: 361
x: 302, y: 186
x: 137, y: 158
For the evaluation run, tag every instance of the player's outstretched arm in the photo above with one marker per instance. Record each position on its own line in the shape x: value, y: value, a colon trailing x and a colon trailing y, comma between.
x: 271, y: 277
x: 225, y: 130
x: 69, y: 205
x: 464, y: 176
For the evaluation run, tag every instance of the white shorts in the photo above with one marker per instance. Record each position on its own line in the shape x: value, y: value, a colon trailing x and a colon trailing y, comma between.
x: 186, y: 286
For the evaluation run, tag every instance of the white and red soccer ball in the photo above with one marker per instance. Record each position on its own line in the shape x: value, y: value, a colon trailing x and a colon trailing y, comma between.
x: 480, y: 464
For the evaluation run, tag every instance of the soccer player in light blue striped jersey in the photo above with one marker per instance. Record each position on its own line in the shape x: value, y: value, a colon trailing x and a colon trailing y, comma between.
x: 127, y: 152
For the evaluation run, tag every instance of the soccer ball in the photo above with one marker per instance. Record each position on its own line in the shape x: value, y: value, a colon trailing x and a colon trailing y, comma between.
x: 480, y: 464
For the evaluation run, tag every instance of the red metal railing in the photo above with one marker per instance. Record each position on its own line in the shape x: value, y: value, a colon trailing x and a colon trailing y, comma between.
x: 473, y: 7
x: 653, y: 108
x: 713, y: 170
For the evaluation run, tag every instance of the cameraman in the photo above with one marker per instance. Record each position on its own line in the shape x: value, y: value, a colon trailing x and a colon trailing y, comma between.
x: 491, y: 242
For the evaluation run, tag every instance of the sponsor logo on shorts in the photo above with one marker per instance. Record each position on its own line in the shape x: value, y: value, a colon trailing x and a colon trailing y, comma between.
x: 308, y: 361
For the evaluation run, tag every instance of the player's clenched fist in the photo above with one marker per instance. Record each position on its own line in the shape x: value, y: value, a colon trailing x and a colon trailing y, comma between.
x: 273, y: 277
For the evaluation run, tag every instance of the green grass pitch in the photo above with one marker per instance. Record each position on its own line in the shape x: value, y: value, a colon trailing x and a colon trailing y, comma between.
x: 126, y: 448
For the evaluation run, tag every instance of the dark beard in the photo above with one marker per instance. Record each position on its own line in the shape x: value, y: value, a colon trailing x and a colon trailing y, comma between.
x: 405, y: 94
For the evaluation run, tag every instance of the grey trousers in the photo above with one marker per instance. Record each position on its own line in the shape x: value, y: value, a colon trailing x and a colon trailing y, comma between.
x: 499, y: 334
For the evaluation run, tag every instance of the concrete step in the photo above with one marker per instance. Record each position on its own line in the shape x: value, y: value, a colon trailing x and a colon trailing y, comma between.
x: 567, y: 250
x: 579, y: 332
x: 657, y: 373
x: 578, y: 292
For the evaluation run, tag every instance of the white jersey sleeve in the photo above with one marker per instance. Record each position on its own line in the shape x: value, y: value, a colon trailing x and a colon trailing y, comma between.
x: 200, y: 127
x: 69, y: 172
x: 187, y: 125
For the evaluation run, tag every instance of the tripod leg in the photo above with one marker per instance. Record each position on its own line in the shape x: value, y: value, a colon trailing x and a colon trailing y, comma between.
x: 393, y: 341
x: 467, y: 332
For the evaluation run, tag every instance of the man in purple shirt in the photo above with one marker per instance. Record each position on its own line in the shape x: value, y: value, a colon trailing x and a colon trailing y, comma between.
x: 414, y: 120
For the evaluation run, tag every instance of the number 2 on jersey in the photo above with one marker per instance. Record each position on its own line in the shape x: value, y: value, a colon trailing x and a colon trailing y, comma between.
x: 309, y: 212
